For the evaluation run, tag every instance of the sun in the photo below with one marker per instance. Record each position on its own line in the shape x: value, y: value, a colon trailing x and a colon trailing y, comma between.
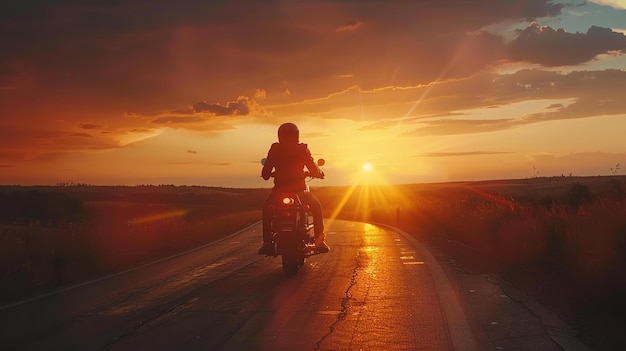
x: 367, y: 167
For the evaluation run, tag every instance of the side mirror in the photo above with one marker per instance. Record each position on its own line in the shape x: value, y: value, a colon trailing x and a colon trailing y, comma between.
x: 263, y: 160
x: 321, y: 162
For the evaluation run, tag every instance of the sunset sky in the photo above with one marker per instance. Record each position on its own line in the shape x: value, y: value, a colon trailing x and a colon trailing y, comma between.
x: 192, y: 92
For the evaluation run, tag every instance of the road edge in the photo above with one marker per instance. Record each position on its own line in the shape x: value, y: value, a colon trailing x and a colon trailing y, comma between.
x: 109, y: 276
x: 461, y: 334
x: 557, y: 329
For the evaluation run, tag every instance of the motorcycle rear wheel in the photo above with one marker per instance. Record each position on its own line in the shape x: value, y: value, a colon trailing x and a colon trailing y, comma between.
x: 291, y: 265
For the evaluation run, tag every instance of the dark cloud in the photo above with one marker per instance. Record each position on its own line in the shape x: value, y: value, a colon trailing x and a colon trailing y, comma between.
x: 238, y: 108
x: 549, y: 47
x: 200, y: 116
x: 82, y: 135
x: 192, y: 152
x: 155, y: 56
x: 90, y: 126
x: 246, y: 43
x: 141, y: 130
x: 555, y: 106
x: 534, y: 9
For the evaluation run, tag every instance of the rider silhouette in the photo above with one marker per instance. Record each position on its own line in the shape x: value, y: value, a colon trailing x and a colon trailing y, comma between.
x: 287, y: 158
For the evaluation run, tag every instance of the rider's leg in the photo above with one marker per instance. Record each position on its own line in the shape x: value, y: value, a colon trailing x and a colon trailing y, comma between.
x: 267, y: 227
x: 318, y: 220
x: 267, y: 220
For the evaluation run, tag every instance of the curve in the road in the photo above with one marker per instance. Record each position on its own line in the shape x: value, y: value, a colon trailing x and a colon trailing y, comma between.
x: 460, y: 332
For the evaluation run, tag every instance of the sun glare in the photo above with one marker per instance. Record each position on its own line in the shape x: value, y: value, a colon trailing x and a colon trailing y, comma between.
x: 369, y: 197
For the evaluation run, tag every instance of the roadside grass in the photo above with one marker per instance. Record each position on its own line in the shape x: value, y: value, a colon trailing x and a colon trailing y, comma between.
x: 555, y: 224
x: 114, y: 235
x: 561, y: 240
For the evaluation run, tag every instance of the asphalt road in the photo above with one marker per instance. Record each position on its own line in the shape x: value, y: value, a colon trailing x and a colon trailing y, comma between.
x: 376, y: 289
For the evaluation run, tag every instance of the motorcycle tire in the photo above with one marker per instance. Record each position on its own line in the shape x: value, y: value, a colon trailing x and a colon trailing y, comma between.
x: 291, y: 265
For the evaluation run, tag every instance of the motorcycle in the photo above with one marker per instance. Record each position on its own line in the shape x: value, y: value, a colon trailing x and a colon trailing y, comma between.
x: 292, y: 228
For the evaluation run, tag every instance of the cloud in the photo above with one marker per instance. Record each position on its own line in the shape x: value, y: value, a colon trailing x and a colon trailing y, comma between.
x: 443, y: 108
x: 238, y: 108
x: 314, y: 135
x: 260, y: 94
x: 549, y: 47
x: 277, y: 41
x: 178, y: 120
x: 357, y: 60
x: 455, y: 126
x: 37, y: 142
x: 192, y: 152
x: 594, y: 93
x: 381, y: 125
x: 82, y: 135
x: 203, y: 116
x: 465, y: 153
x: 349, y: 26
x: 90, y: 126
x: 618, y: 4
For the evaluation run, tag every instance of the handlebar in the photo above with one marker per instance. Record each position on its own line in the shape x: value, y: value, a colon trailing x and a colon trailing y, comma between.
x: 306, y: 175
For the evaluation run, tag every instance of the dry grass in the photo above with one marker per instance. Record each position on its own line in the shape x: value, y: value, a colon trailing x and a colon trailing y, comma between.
x: 560, y: 240
x: 37, y: 254
x: 576, y: 226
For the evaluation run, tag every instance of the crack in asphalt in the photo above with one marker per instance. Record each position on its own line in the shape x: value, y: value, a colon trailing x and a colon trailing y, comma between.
x: 345, y: 301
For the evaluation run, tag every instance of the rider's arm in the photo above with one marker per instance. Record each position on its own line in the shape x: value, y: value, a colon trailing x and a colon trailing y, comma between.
x: 312, y: 166
x: 266, y: 173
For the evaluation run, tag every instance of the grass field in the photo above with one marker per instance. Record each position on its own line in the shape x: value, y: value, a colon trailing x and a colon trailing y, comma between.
x: 560, y: 240
x: 548, y: 236
x: 51, y: 236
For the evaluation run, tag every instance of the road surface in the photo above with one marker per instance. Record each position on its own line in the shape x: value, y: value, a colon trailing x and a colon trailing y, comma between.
x: 376, y: 289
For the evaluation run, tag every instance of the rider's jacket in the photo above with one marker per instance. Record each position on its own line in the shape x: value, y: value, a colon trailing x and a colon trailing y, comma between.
x: 289, y: 161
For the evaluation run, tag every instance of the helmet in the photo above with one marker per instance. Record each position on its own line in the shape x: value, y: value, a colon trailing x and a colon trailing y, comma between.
x: 288, y: 133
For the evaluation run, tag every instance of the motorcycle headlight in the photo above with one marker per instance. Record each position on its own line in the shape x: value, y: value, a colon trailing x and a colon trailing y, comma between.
x: 288, y: 201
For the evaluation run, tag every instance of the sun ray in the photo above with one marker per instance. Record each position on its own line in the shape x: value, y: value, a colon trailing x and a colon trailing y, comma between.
x: 370, y: 199
x: 159, y: 216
